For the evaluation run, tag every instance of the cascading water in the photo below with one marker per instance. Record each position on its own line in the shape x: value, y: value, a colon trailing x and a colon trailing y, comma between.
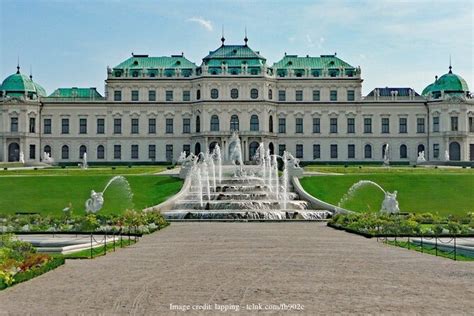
x: 235, y: 191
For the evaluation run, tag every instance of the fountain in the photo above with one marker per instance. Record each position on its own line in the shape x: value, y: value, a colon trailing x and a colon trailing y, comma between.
x: 96, y: 201
x: 47, y: 158
x: 386, y: 160
x: 232, y: 190
x: 84, y: 162
x: 389, y: 204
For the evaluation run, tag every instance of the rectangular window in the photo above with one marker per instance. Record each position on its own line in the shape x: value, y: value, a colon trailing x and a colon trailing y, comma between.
x: 32, y: 151
x: 14, y: 124
x: 169, y: 95
x: 151, y: 95
x: 100, y: 126
x: 65, y: 126
x: 402, y: 125
x: 454, y: 123
x: 333, y: 125
x: 350, y: 95
x: 351, y: 151
x: 152, y: 152
x: 420, y: 125
x: 186, y: 125
x: 117, y: 152
x: 350, y: 125
x: 299, y: 95
x: 117, y: 95
x: 135, y: 126
x: 299, y: 151
x: 169, y: 126
x: 367, y: 125
x: 385, y: 125
x: 316, y: 151
x: 436, y: 124
x: 334, y: 151
x: 187, y: 149
x: 281, y: 149
x: 316, y: 95
x: 117, y: 126
x: 32, y: 125
x: 47, y: 126
x: 281, y: 95
x: 134, y: 152
x: 82, y: 126
x: 299, y: 125
x: 471, y: 125
x: 151, y: 126
x: 134, y: 95
x: 282, y: 125
x: 333, y: 95
x: 186, y: 95
x: 435, y: 150
x: 169, y: 152
x: 316, y: 125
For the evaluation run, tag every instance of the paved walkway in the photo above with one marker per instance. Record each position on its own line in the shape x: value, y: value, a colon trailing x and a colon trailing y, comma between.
x: 324, y: 270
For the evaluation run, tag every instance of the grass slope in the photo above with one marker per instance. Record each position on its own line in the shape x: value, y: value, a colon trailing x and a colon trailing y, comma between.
x: 49, y: 194
x: 443, y: 193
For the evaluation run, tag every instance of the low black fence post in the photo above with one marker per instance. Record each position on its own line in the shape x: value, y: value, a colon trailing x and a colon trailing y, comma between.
x: 436, y: 245
x: 105, y: 243
x: 113, y: 236
x: 408, y: 244
x: 421, y: 243
x: 455, y: 255
x: 91, y: 245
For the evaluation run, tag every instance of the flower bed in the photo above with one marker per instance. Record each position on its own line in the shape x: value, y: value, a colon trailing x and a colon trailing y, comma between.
x: 20, y: 262
x: 426, y: 224
x: 135, y: 221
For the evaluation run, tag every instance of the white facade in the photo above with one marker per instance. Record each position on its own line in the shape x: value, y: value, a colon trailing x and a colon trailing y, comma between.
x: 314, y: 130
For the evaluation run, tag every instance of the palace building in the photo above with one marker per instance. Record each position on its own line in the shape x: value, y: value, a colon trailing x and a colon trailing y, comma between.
x: 156, y: 107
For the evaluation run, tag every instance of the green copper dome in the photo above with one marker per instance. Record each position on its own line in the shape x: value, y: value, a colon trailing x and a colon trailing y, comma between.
x: 18, y: 84
x: 447, y: 83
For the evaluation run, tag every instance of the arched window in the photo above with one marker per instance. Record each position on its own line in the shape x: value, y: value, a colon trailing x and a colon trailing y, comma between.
x: 100, y: 152
x: 253, y: 149
x: 270, y: 94
x: 47, y: 149
x: 234, y: 93
x: 270, y: 124
x: 272, y: 148
x: 234, y: 123
x: 198, y: 124
x: 198, y: 94
x: 214, y: 123
x: 65, y: 152
x: 254, y: 123
x: 384, y: 148
x: 254, y: 94
x: 197, y: 149
x: 82, y: 151
x: 135, y: 74
x: 368, y: 151
x: 421, y: 148
x: 212, y: 146
x: 214, y: 93
x: 403, y: 152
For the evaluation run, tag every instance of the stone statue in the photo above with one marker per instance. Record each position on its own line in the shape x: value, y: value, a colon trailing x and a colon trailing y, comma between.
x: 186, y: 162
x: 294, y: 169
x: 446, y: 155
x: 390, y: 203
x: 95, y: 202
x: 421, y: 157
x: 47, y: 158
x: 22, y: 157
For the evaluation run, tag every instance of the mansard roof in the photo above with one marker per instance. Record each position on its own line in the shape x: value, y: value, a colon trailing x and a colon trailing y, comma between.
x: 74, y: 92
x: 167, y: 62
x: 387, y: 92
x: 234, y: 52
x: 322, y: 62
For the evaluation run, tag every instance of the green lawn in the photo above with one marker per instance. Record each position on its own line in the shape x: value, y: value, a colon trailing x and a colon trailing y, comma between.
x: 418, y: 190
x: 51, y: 191
x: 69, y: 171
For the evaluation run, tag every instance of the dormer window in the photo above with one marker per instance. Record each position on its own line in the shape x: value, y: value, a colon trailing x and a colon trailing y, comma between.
x: 290, y: 63
x: 135, y: 74
x: 152, y: 74
x: 118, y: 74
x: 135, y: 62
x: 234, y: 51
x: 178, y: 63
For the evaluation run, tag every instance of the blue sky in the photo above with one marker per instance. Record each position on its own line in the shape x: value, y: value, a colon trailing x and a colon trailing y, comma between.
x: 396, y: 43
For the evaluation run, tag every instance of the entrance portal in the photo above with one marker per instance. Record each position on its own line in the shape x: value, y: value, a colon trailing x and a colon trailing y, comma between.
x: 13, y: 152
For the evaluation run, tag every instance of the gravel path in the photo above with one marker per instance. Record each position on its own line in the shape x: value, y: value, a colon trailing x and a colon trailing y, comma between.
x: 193, y: 264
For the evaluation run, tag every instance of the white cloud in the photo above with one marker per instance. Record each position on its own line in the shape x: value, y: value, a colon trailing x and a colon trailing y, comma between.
x: 207, y: 24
